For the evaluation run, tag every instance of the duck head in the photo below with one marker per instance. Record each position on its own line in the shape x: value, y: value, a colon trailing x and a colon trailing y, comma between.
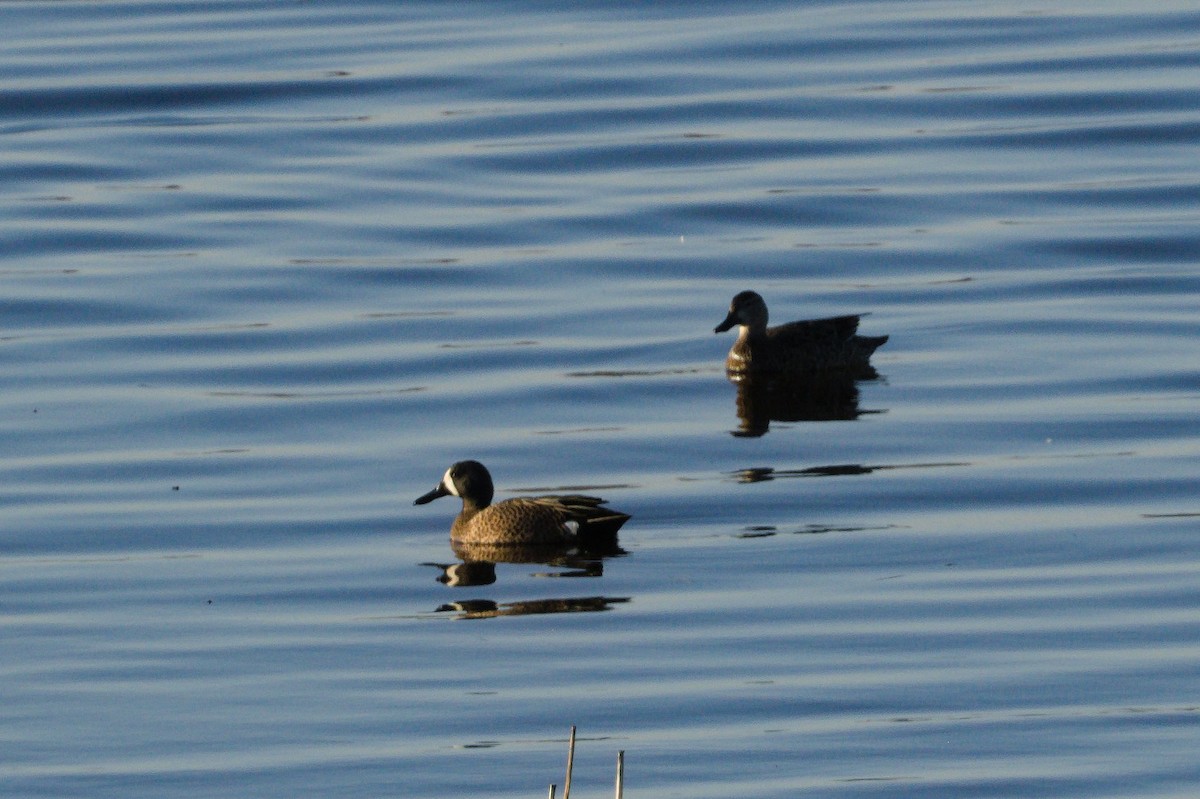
x: 746, y: 309
x: 468, y: 480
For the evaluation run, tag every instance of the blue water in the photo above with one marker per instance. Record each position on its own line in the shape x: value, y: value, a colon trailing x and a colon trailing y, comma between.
x: 267, y: 269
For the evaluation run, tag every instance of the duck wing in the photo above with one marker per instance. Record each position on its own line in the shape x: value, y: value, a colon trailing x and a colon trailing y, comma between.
x: 833, y: 331
x: 589, y: 512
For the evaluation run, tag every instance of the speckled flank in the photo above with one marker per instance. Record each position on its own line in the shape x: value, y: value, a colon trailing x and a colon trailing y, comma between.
x: 514, y: 521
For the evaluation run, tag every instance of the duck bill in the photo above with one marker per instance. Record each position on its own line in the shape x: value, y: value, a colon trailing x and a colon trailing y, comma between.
x: 439, y: 491
x: 729, y: 322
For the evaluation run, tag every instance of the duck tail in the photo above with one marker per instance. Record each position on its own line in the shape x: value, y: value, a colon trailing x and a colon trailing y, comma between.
x: 868, y: 344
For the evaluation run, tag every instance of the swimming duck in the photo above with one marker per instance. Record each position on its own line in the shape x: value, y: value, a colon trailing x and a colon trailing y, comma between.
x: 813, y: 346
x: 526, y: 521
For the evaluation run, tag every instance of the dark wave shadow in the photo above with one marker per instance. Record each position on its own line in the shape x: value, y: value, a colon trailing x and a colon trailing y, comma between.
x: 815, y: 397
x: 762, y: 474
x: 770, y: 530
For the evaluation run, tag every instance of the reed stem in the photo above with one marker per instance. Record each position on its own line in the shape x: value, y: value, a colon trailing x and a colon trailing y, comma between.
x: 570, y: 764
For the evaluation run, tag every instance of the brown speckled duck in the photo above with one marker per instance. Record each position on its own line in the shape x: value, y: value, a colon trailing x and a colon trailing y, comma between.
x: 520, y: 521
x: 812, y: 346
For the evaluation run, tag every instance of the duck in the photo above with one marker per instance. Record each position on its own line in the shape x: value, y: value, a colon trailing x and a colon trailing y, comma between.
x: 521, y: 521
x: 812, y: 346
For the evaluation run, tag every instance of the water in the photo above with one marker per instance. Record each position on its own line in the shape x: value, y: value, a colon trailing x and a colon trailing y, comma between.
x: 268, y: 269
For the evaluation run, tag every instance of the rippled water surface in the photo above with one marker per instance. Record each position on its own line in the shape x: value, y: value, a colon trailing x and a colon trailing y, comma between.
x: 267, y: 269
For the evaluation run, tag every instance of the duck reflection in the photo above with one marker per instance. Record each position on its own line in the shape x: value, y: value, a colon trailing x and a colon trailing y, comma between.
x: 467, y: 573
x: 477, y: 564
x: 477, y: 567
x: 813, y: 397
x: 486, y: 609
x: 591, y: 550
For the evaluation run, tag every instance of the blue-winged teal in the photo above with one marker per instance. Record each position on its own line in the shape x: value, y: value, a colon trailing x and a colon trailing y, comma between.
x: 814, y: 345
x: 525, y: 521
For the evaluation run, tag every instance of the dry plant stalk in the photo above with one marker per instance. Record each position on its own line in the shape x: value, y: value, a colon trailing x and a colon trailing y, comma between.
x: 571, y: 767
x: 570, y: 764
